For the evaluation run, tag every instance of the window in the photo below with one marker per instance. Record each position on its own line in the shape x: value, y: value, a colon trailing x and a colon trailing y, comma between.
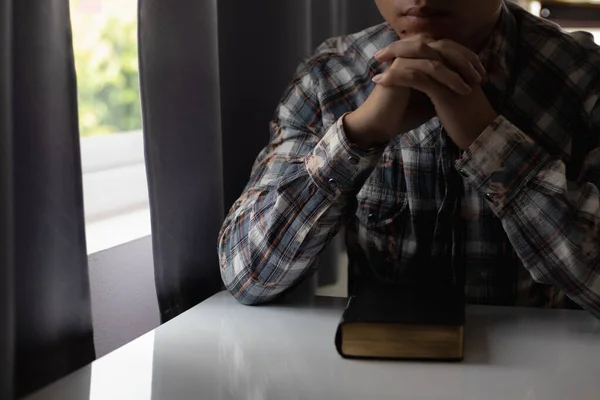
x: 112, y: 152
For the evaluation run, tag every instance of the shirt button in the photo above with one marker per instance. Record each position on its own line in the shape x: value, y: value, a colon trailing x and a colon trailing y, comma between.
x: 353, y: 160
x: 489, y: 197
x: 333, y: 183
x: 464, y: 173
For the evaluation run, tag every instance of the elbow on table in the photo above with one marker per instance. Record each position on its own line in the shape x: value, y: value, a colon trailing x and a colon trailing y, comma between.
x: 250, y: 301
x: 248, y: 296
x: 244, y: 287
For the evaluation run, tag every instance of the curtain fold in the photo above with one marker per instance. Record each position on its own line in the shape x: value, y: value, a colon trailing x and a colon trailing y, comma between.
x: 46, y: 316
x: 211, y: 75
x: 7, y: 320
x: 179, y: 75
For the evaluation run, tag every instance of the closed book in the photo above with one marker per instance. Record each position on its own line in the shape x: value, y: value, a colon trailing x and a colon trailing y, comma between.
x: 403, y: 322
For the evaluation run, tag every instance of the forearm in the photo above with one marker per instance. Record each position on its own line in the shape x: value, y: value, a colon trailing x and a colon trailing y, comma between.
x: 554, y: 230
x: 557, y: 241
x: 266, y: 247
x: 276, y: 230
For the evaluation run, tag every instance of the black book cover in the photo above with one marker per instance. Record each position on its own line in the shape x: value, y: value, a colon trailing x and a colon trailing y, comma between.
x: 397, y: 304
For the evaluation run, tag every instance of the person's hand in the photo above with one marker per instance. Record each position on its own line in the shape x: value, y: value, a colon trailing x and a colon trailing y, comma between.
x: 397, y: 104
x: 382, y: 116
x: 464, y: 112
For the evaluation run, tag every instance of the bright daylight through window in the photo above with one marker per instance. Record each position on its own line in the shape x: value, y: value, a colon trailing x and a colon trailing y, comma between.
x: 114, y: 173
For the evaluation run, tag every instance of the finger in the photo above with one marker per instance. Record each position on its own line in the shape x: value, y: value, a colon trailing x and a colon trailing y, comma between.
x: 436, y: 70
x: 412, y: 79
x: 421, y: 37
x: 408, y: 49
x: 445, y: 46
x: 474, y: 60
x: 420, y: 47
x: 463, y: 67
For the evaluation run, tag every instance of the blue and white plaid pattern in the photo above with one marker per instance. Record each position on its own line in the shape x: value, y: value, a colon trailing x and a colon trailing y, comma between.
x: 527, y: 191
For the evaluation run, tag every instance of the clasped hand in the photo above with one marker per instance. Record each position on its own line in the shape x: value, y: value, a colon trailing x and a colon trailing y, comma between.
x: 447, y: 73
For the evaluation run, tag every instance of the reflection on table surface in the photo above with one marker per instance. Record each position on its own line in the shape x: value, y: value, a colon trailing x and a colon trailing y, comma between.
x: 223, y: 350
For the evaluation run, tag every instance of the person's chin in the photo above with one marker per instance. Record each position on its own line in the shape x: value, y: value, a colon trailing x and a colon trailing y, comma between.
x: 433, y: 26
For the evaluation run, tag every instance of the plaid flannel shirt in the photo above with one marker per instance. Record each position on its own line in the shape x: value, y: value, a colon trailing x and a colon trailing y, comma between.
x: 525, y: 194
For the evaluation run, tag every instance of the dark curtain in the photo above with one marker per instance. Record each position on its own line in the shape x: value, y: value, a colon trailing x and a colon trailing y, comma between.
x: 261, y: 43
x: 212, y: 73
x: 45, y: 315
x: 7, y: 317
x: 179, y: 73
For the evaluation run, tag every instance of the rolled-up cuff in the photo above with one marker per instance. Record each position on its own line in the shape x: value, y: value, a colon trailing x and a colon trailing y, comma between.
x: 501, y: 162
x: 339, y: 167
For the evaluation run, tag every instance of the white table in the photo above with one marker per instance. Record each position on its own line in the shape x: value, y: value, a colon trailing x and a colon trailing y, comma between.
x: 223, y: 350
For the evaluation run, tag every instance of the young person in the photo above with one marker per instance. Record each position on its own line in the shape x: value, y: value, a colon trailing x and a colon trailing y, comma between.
x: 459, y: 135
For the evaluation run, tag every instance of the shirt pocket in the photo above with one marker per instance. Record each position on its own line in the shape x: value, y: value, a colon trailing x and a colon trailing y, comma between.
x: 382, y: 198
x: 382, y: 220
x: 378, y: 207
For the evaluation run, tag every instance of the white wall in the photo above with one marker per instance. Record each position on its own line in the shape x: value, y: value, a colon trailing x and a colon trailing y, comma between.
x: 114, y: 174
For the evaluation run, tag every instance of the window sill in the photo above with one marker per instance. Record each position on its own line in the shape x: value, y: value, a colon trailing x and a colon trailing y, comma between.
x: 115, y: 190
x: 114, y: 231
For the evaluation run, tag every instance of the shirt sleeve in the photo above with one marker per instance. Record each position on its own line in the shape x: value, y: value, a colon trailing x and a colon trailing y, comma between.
x: 301, y: 188
x: 553, y: 224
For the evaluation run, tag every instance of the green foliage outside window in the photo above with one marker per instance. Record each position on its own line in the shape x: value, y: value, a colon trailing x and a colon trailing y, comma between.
x: 105, y: 46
